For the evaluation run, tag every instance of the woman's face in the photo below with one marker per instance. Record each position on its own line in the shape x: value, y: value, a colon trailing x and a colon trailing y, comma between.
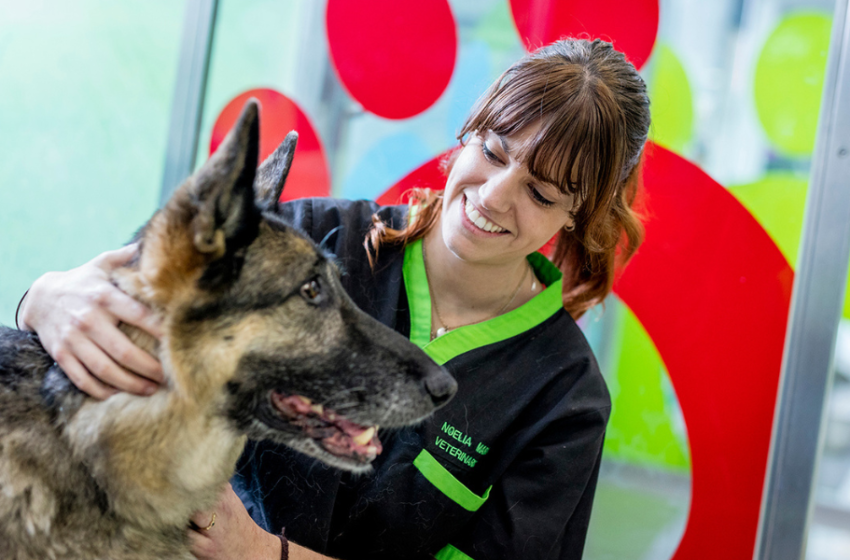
x: 494, y: 211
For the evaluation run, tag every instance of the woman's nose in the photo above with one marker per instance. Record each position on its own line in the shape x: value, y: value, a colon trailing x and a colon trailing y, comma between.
x: 498, y: 191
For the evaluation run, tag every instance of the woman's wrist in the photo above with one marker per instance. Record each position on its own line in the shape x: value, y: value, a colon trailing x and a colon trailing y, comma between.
x: 284, y: 546
x: 18, y: 316
x: 268, y: 545
x: 297, y: 552
x: 24, y: 319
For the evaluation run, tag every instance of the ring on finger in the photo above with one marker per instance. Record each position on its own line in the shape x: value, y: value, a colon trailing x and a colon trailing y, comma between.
x: 211, y: 525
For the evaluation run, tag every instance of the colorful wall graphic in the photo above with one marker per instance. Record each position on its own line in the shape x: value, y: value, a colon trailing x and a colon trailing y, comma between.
x: 707, y: 296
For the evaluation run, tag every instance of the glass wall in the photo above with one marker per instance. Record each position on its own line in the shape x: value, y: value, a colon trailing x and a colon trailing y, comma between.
x: 85, y: 98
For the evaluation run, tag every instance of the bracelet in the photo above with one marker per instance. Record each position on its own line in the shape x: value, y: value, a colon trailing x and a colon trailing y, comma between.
x: 284, y: 546
x: 18, y: 310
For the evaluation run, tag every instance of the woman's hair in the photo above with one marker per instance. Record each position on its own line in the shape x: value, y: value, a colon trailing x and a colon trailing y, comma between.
x: 593, y: 112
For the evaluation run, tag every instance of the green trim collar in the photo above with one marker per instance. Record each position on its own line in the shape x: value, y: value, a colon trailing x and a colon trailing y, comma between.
x: 463, y: 339
x: 451, y: 553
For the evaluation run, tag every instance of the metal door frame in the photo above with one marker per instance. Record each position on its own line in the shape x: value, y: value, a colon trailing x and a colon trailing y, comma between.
x: 190, y: 85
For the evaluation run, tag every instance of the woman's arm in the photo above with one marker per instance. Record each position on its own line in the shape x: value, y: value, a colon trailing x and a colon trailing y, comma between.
x: 76, y: 315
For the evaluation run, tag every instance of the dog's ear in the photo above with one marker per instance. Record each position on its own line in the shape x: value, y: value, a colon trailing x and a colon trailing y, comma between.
x: 227, y: 217
x: 271, y: 176
x: 202, y: 232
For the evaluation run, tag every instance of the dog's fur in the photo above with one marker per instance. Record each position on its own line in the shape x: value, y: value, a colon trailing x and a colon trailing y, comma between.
x: 250, y: 309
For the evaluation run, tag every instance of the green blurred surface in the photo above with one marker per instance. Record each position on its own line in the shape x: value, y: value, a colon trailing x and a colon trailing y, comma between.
x: 638, y: 513
x: 789, y: 81
x: 84, y: 107
x: 672, y: 101
x: 778, y: 202
x: 646, y: 426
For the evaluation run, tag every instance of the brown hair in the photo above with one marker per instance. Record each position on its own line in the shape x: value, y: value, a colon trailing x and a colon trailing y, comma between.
x: 593, y: 112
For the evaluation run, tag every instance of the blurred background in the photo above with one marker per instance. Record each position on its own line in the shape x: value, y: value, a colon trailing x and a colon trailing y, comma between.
x: 378, y: 93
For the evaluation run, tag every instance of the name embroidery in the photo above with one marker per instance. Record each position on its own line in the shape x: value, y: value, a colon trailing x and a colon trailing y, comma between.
x: 454, y: 450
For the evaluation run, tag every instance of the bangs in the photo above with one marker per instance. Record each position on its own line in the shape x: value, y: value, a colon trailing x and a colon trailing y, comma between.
x: 575, y: 147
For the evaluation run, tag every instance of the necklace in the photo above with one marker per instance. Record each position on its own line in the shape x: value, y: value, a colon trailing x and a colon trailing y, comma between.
x: 445, y: 328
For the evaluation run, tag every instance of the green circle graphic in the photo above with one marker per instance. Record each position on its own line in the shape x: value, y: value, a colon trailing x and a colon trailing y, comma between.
x: 789, y: 81
x: 672, y: 101
x: 778, y: 201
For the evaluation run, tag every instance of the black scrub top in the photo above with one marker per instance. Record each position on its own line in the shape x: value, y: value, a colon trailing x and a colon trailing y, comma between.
x: 507, y: 469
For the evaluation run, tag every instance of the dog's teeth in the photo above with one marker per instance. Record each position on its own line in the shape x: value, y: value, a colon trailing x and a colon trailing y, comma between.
x: 364, y: 437
x: 317, y: 408
x: 305, y: 400
x: 372, y: 450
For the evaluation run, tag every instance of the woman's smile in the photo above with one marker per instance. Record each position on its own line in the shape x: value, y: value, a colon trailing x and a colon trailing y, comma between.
x: 478, y: 221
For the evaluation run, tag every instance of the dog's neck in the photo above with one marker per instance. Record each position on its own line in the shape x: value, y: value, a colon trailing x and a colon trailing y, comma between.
x: 130, y: 282
x: 141, y: 338
x: 174, y: 484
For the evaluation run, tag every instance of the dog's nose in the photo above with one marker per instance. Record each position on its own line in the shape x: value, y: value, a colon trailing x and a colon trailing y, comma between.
x: 441, y: 386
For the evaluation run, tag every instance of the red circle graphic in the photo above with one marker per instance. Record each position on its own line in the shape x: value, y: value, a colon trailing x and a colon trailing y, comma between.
x: 429, y: 175
x: 395, y: 58
x: 309, y: 175
x: 631, y: 25
x: 713, y: 290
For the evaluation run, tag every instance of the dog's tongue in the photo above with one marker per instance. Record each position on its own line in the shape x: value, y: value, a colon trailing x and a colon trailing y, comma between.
x: 339, y: 435
x: 354, y: 440
x: 340, y: 444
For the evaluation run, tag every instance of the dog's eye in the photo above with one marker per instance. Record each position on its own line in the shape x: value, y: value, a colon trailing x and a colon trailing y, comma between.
x: 311, y: 290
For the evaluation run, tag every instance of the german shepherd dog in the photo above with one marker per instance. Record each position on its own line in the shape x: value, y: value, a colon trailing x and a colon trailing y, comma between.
x: 260, y: 341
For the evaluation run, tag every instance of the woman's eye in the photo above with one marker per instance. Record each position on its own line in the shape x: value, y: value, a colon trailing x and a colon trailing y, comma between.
x: 311, y: 290
x: 489, y: 154
x: 535, y: 194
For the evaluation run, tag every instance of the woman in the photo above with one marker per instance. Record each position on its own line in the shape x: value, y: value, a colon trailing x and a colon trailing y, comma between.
x: 508, y: 468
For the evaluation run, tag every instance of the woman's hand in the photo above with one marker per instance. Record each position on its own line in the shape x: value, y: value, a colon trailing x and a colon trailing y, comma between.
x: 76, y: 315
x: 233, y: 535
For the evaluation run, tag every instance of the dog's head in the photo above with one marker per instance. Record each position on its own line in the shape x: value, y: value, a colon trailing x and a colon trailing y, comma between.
x: 257, y: 326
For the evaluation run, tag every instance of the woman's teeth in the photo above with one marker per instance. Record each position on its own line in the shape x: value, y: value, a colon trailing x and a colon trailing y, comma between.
x: 480, y: 221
